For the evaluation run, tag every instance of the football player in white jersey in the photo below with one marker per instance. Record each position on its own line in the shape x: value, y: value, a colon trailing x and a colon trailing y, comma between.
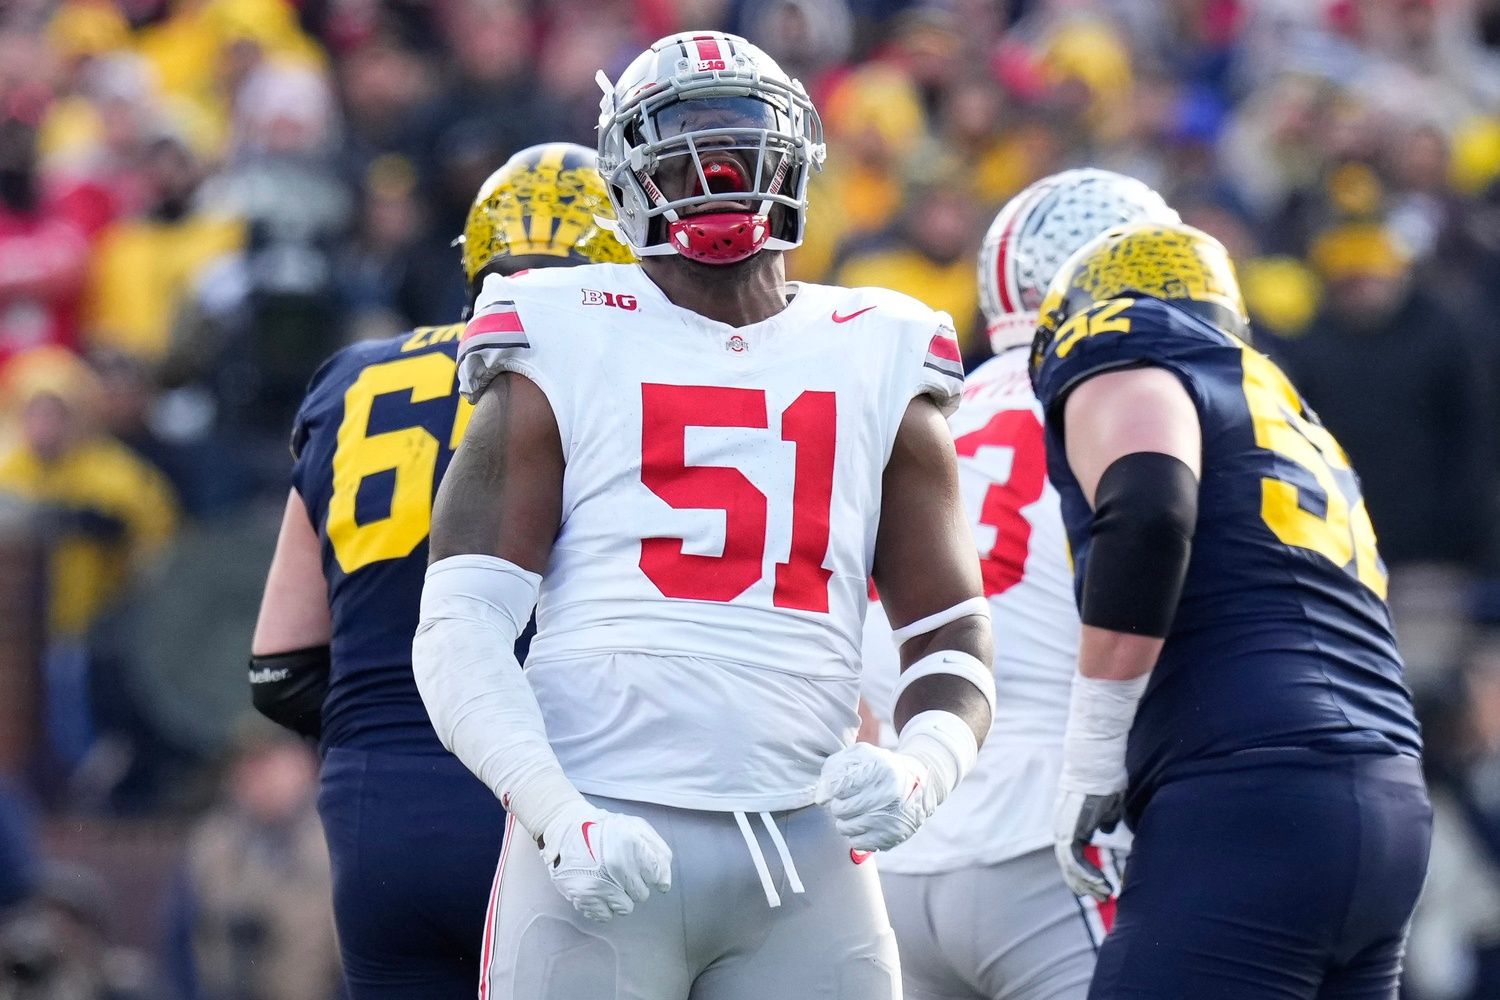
x: 978, y: 904
x: 698, y: 465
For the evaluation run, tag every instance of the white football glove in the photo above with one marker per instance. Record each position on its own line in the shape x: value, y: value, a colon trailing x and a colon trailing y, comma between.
x: 878, y: 797
x: 603, y: 862
x: 1076, y: 817
x: 1091, y: 788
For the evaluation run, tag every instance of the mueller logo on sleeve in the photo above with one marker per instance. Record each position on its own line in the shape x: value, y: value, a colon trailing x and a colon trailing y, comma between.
x: 594, y: 297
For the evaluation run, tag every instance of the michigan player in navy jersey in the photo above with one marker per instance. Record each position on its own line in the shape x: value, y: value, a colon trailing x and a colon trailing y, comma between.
x: 1239, y: 697
x: 412, y: 834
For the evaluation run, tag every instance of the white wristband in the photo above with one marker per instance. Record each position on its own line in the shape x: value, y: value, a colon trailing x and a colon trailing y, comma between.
x: 1100, y: 714
x: 942, y: 741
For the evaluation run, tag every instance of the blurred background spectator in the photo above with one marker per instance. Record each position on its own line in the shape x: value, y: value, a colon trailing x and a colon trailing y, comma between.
x: 201, y: 199
x: 252, y: 915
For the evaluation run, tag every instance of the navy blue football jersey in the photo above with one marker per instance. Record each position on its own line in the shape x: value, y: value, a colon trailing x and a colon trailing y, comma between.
x: 371, y: 441
x: 1282, y: 638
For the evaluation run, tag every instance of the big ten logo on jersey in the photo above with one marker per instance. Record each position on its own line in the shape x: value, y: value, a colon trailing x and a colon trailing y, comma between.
x: 746, y: 478
x: 594, y: 297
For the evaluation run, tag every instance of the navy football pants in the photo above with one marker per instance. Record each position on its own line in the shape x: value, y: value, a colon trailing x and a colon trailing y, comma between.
x: 1277, y: 881
x: 414, y: 841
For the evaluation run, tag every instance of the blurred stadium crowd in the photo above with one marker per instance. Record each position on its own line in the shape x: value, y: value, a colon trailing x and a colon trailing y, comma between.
x: 201, y: 199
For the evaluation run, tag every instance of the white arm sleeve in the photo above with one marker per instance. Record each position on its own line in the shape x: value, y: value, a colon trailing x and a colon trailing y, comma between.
x: 480, y: 703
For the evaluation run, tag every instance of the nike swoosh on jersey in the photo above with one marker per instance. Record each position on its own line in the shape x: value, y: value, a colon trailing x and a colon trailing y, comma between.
x: 844, y: 319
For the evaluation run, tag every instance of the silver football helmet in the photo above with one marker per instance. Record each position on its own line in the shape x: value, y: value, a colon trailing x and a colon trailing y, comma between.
x: 1039, y: 229
x: 706, y: 147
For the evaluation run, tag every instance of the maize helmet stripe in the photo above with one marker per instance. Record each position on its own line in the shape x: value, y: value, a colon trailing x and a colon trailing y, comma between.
x: 545, y: 201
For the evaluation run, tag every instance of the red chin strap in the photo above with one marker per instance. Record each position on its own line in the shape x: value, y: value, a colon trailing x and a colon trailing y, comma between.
x: 719, y: 237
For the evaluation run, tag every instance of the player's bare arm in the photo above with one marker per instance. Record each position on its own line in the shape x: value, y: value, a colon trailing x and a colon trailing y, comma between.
x: 928, y: 574
x: 925, y: 563
x: 502, y: 495
x: 1135, y: 446
x: 289, y: 657
x: 494, y: 521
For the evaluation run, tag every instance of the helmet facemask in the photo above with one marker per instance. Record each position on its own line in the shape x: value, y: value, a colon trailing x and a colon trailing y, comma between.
x: 712, y: 165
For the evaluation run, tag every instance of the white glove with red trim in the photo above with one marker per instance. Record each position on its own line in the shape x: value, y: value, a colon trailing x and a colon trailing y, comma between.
x: 603, y: 862
x: 878, y: 797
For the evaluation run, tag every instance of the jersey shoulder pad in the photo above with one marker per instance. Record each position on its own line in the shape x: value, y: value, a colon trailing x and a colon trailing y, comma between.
x: 516, y: 318
x: 887, y: 309
x: 495, y: 338
x: 1120, y: 333
x: 929, y: 362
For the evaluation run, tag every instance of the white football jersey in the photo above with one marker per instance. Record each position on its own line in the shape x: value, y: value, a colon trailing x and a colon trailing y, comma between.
x: 699, y: 623
x: 1003, y: 807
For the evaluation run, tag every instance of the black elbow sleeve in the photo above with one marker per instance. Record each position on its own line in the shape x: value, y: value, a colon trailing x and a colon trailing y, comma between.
x: 288, y: 688
x: 1145, y: 512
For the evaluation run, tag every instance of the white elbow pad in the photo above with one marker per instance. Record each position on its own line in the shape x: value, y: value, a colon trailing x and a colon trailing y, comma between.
x: 480, y: 703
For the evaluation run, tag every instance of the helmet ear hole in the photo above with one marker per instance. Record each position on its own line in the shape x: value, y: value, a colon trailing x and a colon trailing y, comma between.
x: 784, y: 224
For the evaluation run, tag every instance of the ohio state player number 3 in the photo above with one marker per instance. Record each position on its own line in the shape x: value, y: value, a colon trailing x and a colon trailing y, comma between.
x: 667, y: 411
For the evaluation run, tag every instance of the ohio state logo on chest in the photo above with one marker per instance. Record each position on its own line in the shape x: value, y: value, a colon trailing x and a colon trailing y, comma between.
x: 594, y: 297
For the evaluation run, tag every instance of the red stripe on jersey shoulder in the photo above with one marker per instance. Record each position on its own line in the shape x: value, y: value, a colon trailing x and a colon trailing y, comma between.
x: 944, y: 346
x: 499, y: 318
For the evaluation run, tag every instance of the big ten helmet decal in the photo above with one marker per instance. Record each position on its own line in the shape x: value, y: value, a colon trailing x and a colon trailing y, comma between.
x: 546, y: 201
x: 1039, y: 229
x: 707, y: 147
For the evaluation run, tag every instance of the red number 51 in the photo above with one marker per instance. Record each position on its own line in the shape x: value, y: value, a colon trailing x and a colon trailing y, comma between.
x: 810, y: 423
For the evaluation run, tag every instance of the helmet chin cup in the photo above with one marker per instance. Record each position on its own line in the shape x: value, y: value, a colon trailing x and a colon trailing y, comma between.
x: 719, y: 237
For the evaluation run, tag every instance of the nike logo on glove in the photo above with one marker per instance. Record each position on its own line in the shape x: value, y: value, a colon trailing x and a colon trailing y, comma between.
x: 859, y: 857
x: 586, y: 843
x: 844, y: 319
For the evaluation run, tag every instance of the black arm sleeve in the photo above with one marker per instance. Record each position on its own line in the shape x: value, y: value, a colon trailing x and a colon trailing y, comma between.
x: 1145, y: 511
x: 288, y: 688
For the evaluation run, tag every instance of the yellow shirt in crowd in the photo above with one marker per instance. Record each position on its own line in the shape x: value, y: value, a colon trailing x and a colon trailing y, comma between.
x: 105, y: 480
x: 140, y: 275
